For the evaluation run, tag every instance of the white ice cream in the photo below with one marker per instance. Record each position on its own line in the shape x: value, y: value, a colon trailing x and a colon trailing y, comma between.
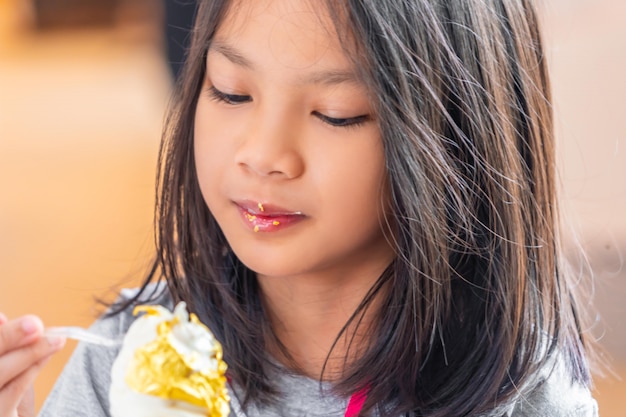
x: 189, y: 339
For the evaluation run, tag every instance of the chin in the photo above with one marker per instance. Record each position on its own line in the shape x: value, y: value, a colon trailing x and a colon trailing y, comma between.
x: 273, y: 270
x: 265, y: 264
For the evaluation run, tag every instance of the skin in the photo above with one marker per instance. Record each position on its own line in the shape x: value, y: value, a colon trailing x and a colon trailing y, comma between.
x: 282, y: 147
x: 23, y: 353
x: 290, y: 125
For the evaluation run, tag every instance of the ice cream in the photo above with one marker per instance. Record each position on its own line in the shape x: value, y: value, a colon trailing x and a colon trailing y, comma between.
x: 170, y: 365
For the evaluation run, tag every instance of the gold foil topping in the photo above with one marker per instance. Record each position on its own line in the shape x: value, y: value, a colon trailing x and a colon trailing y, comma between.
x: 161, y: 370
x: 256, y: 228
x: 261, y: 207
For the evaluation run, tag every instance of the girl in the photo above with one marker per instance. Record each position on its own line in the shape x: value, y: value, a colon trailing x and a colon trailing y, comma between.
x: 358, y: 198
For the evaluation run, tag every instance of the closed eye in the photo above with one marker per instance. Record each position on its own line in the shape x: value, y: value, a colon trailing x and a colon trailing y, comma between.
x: 233, y: 99
x: 342, y: 122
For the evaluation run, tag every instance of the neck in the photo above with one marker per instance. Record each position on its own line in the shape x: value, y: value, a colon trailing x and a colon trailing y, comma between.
x: 308, y: 312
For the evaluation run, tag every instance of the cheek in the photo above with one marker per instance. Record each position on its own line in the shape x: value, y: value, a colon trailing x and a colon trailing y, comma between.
x: 358, y: 184
x: 210, y: 155
x: 215, y: 134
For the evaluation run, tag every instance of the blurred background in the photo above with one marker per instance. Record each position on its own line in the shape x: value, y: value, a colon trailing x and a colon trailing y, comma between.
x: 83, y: 91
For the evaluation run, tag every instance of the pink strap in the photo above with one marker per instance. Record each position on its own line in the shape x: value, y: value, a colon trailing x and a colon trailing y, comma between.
x: 355, y: 405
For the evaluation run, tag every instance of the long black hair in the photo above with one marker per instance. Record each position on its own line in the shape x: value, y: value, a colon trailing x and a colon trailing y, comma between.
x: 477, y: 299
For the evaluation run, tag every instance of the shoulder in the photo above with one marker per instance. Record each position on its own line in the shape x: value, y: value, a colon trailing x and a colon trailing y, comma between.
x: 117, y: 324
x: 556, y: 394
x: 114, y: 323
x: 83, y: 387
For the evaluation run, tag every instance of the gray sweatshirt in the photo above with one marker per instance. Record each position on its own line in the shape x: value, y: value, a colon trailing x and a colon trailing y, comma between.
x: 82, y: 390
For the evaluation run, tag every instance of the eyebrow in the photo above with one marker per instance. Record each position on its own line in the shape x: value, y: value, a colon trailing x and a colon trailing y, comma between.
x: 325, y: 77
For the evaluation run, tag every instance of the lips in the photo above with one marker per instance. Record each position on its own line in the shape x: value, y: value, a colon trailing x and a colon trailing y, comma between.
x: 262, y: 217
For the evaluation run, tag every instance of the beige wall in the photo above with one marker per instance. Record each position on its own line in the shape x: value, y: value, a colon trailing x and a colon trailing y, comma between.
x: 80, y: 116
x: 587, y: 52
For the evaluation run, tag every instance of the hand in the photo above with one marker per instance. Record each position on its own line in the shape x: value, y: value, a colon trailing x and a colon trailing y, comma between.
x: 23, y: 352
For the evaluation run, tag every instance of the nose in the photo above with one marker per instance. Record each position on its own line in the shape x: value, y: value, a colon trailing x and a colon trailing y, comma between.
x: 269, y: 147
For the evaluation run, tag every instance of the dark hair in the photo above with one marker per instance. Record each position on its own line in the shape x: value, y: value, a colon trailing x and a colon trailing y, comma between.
x: 477, y: 299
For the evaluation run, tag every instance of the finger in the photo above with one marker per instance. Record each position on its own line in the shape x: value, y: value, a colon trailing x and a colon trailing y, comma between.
x: 17, y: 361
x: 19, y: 332
x: 13, y: 395
x: 26, y: 407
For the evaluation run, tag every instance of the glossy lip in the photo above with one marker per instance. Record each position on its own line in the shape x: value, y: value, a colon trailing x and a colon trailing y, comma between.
x: 266, y: 217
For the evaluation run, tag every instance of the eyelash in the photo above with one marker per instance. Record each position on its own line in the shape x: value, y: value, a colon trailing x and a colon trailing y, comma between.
x: 345, y: 123
x: 232, y: 99
x: 236, y: 99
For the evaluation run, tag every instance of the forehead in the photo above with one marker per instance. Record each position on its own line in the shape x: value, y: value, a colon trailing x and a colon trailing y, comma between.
x: 297, y: 33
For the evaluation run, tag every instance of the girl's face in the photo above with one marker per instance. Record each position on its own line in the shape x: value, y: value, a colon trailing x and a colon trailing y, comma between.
x: 288, y: 153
